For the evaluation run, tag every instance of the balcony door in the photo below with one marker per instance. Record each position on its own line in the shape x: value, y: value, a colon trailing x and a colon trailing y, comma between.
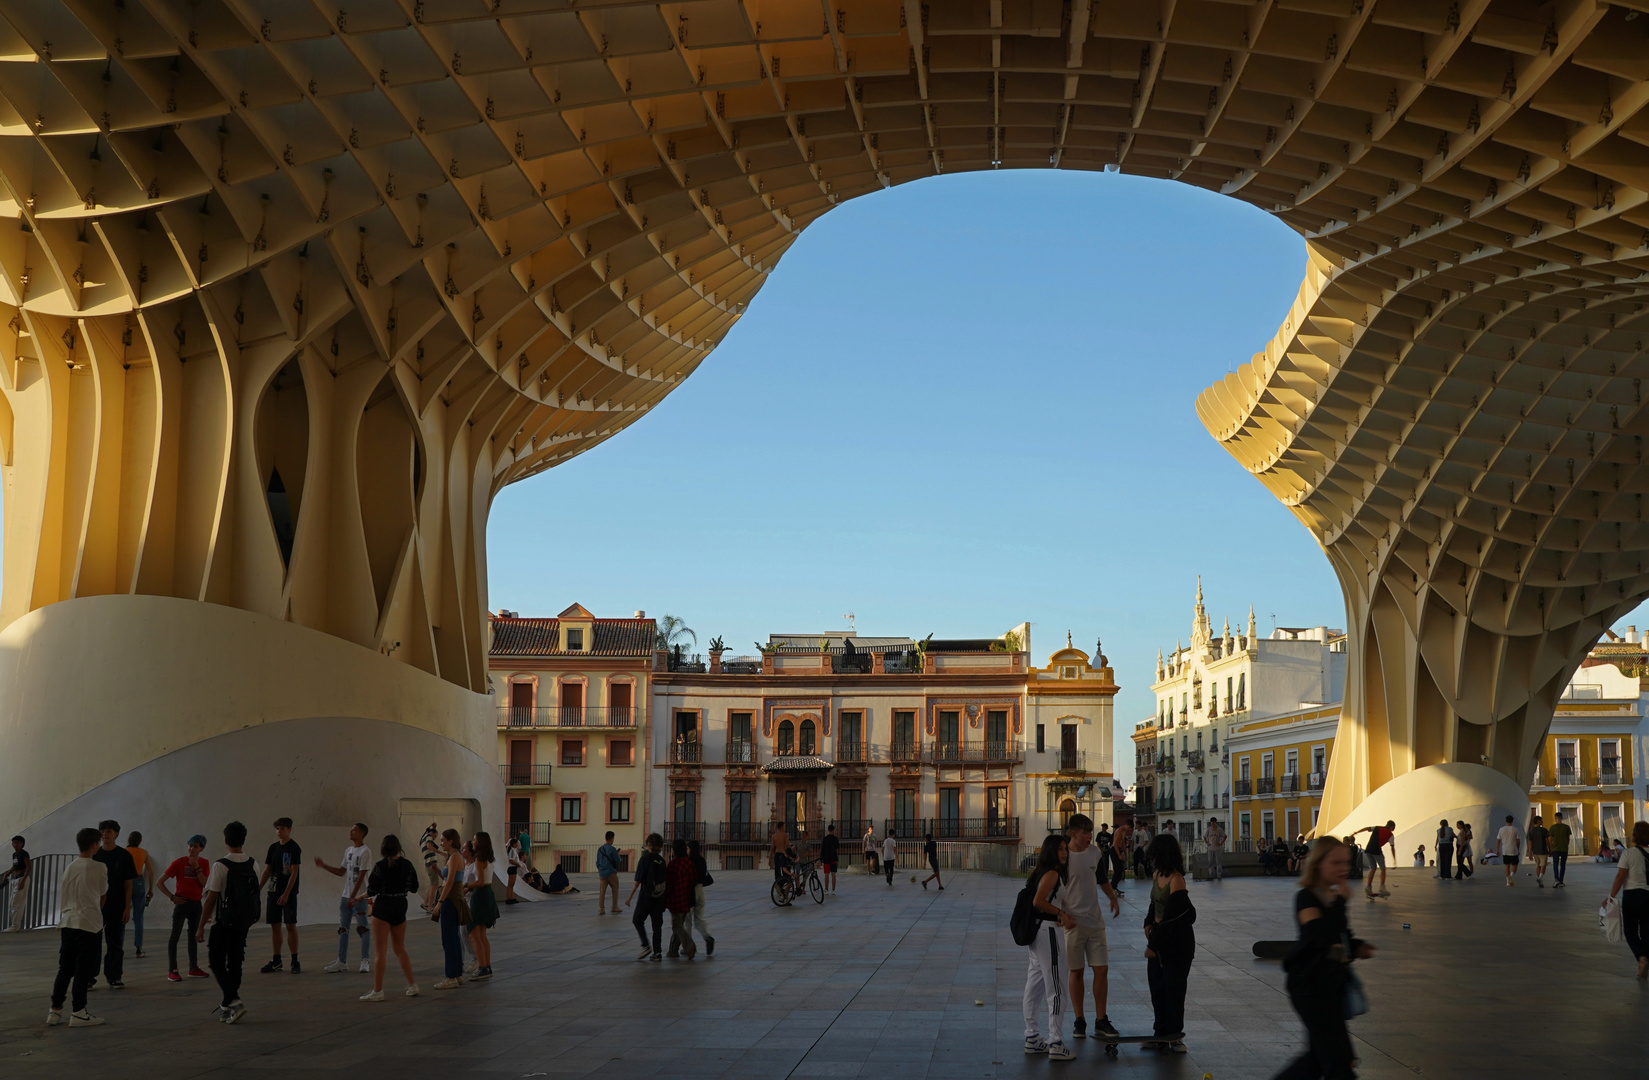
x: 521, y: 704
x: 996, y: 734
x: 1067, y: 746
x: 520, y: 762
x: 950, y: 811
x: 851, y: 804
x: 904, y: 811
x: 738, y: 817
x: 795, y: 811
x: 621, y: 703
x: 950, y: 735
x: 572, y: 704
x: 684, y: 814
x: 996, y: 811
x: 904, y: 734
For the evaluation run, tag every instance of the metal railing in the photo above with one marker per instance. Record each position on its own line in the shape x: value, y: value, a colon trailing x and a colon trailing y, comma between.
x: 1165, y: 802
x: 1316, y: 780
x: 1242, y: 787
x: 1072, y: 760
x: 1265, y: 785
x: 1193, y: 760
x: 1194, y: 802
x: 1166, y: 764
x: 1291, y: 784
x: 537, y: 831
x: 525, y: 775
x: 903, y: 751
x: 686, y: 752
x: 943, y: 828
x: 905, y: 827
x: 42, y: 895
x: 682, y: 830
x: 1568, y: 778
x: 745, y: 832
x: 946, y: 753
x: 570, y: 716
x: 854, y: 751
x: 741, y: 752
x: 1609, y: 774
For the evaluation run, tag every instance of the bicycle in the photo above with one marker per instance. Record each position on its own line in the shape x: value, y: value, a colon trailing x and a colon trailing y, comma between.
x: 804, y: 880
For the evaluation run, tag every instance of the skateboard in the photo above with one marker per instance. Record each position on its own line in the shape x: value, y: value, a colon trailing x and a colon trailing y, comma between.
x: 1272, y: 950
x: 1112, y: 1044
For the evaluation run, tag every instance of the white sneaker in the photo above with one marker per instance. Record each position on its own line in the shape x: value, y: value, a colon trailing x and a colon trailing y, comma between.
x: 1058, y: 1051
x: 1035, y: 1044
x: 413, y: 991
x: 1177, y: 1047
x: 449, y: 984
x: 84, y: 1019
x: 336, y: 966
x: 366, y: 967
x: 373, y: 995
x: 54, y: 1018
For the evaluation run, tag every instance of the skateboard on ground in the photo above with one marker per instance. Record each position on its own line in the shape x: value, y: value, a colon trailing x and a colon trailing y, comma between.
x: 1112, y: 1044
x: 1272, y: 950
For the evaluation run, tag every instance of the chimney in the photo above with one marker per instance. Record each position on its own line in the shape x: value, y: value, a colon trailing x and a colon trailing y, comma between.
x: 641, y: 614
x: 1632, y: 635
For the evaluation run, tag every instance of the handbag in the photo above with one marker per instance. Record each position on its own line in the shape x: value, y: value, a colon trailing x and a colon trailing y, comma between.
x: 1355, y: 1001
x: 1608, y: 919
x: 464, y: 917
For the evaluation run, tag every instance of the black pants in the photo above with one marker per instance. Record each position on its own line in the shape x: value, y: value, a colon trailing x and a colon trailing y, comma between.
x: 114, y: 941
x: 1167, y: 982
x: 225, y: 954
x: 1634, y: 920
x: 186, y: 912
x: 1463, y: 863
x: 1328, y: 1044
x: 1445, y: 860
x: 1118, y: 868
x: 77, y: 955
x: 648, y: 908
x: 887, y: 864
x: 1560, y: 865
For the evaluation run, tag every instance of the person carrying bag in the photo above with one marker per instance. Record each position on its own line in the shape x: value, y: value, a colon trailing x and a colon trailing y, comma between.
x: 1322, y: 987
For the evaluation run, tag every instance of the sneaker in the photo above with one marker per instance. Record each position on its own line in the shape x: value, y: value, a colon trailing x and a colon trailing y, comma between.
x: 196, y: 973
x: 709, y: 946
x: 1034, y: 1044
x: 138, y: 953
x: 173, y: 976
x: 449, y: 984
x: 337, y: 965
x: 54, y: 1018
x: 1540, y: 882
x: 1058, y: 1051
x: 646, y: 951
x: 1080, y: 1028
x: 658, y: 958
x: 297, y: 968
x: 413, y: 991
x: 366, y: 967
x: 1382, y: 892
x: 273, y: 965
x: 1176, y: 1047
x: 117, y: 984
x: 1104, y: 1029
x: 924, y: 886
x: 84, y: 1019
x: 233, y: 1012
x: 480, y: 974
x: 372, y: 995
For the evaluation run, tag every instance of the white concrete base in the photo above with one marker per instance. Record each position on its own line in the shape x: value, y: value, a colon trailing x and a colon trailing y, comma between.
x: 1417, y: 801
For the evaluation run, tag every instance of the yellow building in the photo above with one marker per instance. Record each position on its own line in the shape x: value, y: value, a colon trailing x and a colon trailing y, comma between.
x: 1278, y: 766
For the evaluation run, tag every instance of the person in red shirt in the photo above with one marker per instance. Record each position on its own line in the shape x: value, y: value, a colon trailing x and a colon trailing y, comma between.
x: 1380, y: 836
x: 679, y: 878
x: 190, y: 873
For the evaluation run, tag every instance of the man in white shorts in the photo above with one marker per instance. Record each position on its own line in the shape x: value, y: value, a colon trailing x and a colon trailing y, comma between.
x: 1085, y: 941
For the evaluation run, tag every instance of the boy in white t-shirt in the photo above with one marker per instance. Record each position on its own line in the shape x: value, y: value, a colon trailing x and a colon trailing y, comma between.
x: 1085, y: 941
x: 357, y: 863
x: 1509, y: 844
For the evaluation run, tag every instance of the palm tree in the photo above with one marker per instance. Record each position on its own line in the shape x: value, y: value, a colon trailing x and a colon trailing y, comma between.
x: 671, y: 629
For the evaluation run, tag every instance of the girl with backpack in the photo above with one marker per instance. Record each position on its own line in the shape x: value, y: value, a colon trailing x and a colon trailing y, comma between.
x: 1634, y: 901
x: 1047, y: 975
x: 1171, y: 944
x: 650, y: 882
x: 392, y: 879
x: 1320, y: 982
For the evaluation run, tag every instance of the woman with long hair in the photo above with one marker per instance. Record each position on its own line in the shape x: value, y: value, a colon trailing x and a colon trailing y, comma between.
x: 1320, y: 983
x: 483, y: 906
x: 1047, y: 975
x: 1633, y: 877
x: 392, y: 880
x: 1171, y: 944
x: 446, y: 909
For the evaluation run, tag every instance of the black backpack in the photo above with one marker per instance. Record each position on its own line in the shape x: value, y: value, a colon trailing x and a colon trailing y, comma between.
x: 239, y: 903
x: 1024, y: 923
x: 654, y: 876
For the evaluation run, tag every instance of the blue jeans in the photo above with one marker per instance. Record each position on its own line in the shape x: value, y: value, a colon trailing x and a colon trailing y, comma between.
x: 452, y: 940
x: 139, y: 902
x: 357, y: 911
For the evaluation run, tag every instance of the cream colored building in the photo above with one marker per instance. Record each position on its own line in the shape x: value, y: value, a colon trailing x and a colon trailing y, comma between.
x: 1218, y: 681
x: 1278, y: 768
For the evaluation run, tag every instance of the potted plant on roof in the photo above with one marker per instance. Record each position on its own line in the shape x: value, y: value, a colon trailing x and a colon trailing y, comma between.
x: 768, y: 651
x: 717, y: 647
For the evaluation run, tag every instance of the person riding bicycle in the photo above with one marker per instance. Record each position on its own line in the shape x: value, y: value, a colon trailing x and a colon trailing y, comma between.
x: 784, y: 865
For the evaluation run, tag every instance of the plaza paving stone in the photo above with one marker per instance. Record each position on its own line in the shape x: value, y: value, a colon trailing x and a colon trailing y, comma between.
x: 877, y: 982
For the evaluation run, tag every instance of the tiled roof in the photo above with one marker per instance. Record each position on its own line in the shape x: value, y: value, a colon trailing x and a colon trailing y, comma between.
x: 802, y: 763
x: 542, y: 637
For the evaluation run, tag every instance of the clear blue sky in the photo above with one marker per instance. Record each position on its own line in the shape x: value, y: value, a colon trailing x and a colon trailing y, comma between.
x: 956, y: 405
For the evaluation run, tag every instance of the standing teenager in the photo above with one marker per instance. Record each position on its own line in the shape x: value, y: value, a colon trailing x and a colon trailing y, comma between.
x: 392, y: 879
x: 429, y: 849
x: 651, y: 882
x: 1214, y: 837
x: 446, y: 910
x: 1539, y: 848
x: 607, y: 864
x: 231, y: 907
x: 1085, y: 939
x: 1171, y: 944
x: 1444, y: 845
x: 1557, y: 842
x: 930, y: 853
x: 1046, y: 973
x: 18, y: 878
x: 679, y: 878
x: 890, y: 854
x: 483, y: 905
x: 78, y: 927
x: 830, y: 854
x: 1508, y: 844
x: 280, y: 877
x: 143, y: 888
x: 871, y: 868
x: 1463, y: 853
x: 189, y: 873
x: 703, y: 880
x: 512, y: 868
x: 1320, y: 981
x: 1633, y: 878
x: 352, y: 903
x: 1122, y: 846
x: 117, y: 902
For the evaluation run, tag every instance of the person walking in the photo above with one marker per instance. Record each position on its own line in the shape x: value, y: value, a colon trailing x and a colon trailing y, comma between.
x: 231, y: 907
x: 930, y: 852
x: 680, y: 876
x: 702, y: 881
x: 1171, y: 944
x: 830, y: 855
x: 1557, y: 842
x: 1444, y: 845
x: 1085, y: 939
x: 890, y: 855
x: 871, y: 868
x: 483, y: 904
x: 447, y: 910
x: 282, y: 865
x: 1380, y: 836
x: 18, y: 878
x: 1508, y: 844
x: 1539, y: 849
x: 1633, y: 878
x: 607, y: 863
x: 143, y: 888
x: 512, y: 867
x: 1047, y: 973
x: 1214, y: 837
x: 117, y: 902
x: 189, y: 873
x: 1463, y: 853
x: 79, y: 929
x: 1122, y: 847
x: 1320, y: 981
x: 392, y: 879
x: 429, y: 847
x: 652, y: 882
x: 352, y: 905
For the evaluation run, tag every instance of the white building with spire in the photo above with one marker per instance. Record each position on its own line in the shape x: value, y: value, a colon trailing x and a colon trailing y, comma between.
x: 1220, y: 680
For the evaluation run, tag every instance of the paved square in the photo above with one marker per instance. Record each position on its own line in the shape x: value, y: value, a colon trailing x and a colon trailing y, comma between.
x: 878, y: 981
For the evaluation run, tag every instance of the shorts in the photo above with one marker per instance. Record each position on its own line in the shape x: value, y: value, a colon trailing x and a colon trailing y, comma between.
x: 276, y: 912
x: 1085, y: 945
x: 1376, y: 856
x: 512, y: 871
x: 1508, y: 860
x: 390, y: 910
x: 829, y: 867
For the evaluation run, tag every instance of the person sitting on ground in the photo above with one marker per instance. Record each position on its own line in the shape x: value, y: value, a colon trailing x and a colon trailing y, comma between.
x: 559, y: 884
x: 535, y: 880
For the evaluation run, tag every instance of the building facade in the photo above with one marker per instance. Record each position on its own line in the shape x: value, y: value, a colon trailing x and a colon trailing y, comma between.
x: 1218, y: 681
x: 1145, y: 775
x: 573, y: 696
x: 1278, y: 768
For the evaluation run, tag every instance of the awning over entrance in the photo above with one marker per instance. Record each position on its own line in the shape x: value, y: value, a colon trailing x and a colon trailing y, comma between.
x: 804, y: 763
